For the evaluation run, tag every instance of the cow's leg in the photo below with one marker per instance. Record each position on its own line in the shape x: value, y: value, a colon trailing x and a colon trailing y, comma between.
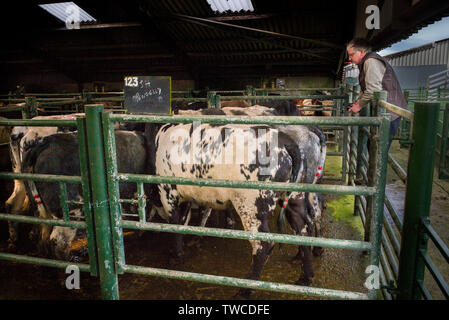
x: 230, y: 222
x: 298, y: 217
x: 205, y: 216
x: 255, y: 219
x: 15, y: 205
x: 316, y: 207
x: 178, y: 215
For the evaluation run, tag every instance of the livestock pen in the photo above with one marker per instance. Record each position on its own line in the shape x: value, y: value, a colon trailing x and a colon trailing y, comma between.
x: 106, y: 252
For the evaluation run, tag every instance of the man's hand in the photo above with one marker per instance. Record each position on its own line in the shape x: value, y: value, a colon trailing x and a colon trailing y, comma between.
x: 355, y: 108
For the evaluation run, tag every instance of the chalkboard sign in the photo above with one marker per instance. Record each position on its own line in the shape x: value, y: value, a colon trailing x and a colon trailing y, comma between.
x: 151, y: 95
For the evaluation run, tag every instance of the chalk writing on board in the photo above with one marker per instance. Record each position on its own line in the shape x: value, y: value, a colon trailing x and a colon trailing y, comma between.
x: 147, y: 94
x: 139, y: 97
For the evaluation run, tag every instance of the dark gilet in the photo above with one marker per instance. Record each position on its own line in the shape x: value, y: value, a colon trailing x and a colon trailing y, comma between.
x: 389, y: 83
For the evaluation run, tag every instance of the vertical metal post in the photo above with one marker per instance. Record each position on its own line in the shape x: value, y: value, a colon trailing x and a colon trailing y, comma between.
x: 379, y: 151
x: 100, y: 203
x: 443, y: 168
x: 87, y: 198
x: 344, y: 163
x: 419, y: 192
x: 211, y: 95
x: 113, y: 191
x: 30, y: 110
x: 218, y: 101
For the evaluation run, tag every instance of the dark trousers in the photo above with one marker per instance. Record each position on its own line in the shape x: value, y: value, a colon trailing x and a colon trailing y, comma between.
x: 394, y: 125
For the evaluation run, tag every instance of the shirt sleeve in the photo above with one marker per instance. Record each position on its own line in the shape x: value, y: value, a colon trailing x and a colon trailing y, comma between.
x: 374, y: 73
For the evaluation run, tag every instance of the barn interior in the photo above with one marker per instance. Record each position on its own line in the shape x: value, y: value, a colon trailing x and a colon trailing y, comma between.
x: 301, y: 42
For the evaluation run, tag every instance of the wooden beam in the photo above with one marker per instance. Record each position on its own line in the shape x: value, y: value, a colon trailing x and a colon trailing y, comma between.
x: 103, y: 26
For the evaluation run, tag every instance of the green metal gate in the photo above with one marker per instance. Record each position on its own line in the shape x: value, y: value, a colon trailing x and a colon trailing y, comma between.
x: 105, y: 225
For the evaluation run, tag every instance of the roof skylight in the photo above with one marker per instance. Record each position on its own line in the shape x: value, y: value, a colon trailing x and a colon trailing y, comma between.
x: 231, y: 5
x: 68, y: 12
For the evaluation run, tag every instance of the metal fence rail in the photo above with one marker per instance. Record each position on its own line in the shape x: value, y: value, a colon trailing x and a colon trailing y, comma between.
x: 374, y: 192
x: 403, y: 254
x: 387, y: 249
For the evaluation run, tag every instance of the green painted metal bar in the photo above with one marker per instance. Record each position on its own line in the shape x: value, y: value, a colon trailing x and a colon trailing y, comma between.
x: 392, y: 236
x: 397, y: 168
x: 386, y: 268
x: 246, y: 235
x: 437, y: 241
x: 36, y: 220
x: 42, y: 261
x: 437, y: 276
x: 63, y: 201
x: 393, y: 214
x: 261, y: 185
x: 10, y: 109
x: 383, y: 283
x: 418, y: 195
x: 292, y: 97
x: 391, y: 258
x: 39, y: 123
x: 360, y: 121
x: 424, y: 291
x: 295, y: 89
x: 253, y: 284
x: 444, y: 163
x: 380, y: 178
x: 87, y: 197
x: 40, y: 177
x: 100, y: 203
x: 113, y: 191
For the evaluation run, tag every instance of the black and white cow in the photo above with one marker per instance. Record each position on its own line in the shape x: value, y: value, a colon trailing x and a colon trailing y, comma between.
x: 266, y: 154
x: 20, y: 138
x: 58, y: 154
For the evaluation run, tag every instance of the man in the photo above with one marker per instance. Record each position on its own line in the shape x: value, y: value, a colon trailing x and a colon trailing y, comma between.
x: 376, y: 74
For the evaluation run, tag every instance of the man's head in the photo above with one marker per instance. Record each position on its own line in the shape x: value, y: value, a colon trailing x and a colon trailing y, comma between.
x: 357, y: 49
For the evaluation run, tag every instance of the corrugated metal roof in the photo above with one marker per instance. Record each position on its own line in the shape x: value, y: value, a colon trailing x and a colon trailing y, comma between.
x: 62, y: 10
x: 436, y: 53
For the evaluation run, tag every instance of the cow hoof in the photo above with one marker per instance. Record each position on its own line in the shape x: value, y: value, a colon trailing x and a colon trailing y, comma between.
x: 304, y: 282
x: 317, y: 251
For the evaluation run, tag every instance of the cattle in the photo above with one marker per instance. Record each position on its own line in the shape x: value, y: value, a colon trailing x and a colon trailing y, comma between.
x: 20, y: 138
x: 58, y: 154
x: 235, y: 104
x: 176, y: 150
x: 309, y: 104
x: 309, y: 138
